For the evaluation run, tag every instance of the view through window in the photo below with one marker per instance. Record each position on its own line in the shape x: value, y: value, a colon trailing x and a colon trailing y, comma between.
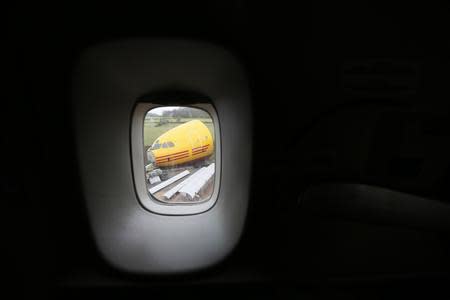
x: 179, y: 154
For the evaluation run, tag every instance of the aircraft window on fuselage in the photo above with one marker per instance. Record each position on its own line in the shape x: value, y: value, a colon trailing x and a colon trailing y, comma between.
x: 184, y: 172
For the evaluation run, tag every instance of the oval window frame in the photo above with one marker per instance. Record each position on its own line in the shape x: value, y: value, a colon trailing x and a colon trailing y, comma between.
x: 149, y: 202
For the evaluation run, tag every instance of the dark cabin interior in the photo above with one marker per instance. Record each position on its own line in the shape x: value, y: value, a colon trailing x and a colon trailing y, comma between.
x: 350, y: 170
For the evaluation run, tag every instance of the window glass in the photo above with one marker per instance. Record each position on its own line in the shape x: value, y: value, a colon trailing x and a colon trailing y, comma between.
x: 179, y: 154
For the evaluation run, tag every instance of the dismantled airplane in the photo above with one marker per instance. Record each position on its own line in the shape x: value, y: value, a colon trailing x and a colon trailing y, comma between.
x: 185, y: 143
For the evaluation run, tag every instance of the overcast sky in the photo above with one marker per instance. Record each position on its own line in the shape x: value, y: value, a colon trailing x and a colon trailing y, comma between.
x: 159, y: 110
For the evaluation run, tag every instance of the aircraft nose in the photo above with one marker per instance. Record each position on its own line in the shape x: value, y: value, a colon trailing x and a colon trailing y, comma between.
x: 150, y: 156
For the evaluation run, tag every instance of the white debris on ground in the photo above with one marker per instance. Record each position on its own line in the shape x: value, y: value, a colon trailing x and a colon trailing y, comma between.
x: 197, y: 181
x: 168, y: 181
x: 192, y: 185
x: 187, y: 185
x: 154, y: 179
x: 156, y: 172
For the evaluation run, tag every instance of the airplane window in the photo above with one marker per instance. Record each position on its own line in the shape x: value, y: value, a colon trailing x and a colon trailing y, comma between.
x: 180, y: 154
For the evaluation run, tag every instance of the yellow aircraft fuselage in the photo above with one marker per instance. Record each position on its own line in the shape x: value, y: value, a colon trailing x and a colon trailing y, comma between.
x: 182, y: 144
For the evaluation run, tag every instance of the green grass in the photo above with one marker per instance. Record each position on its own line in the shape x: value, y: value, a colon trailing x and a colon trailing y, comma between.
x: 152, y: 132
